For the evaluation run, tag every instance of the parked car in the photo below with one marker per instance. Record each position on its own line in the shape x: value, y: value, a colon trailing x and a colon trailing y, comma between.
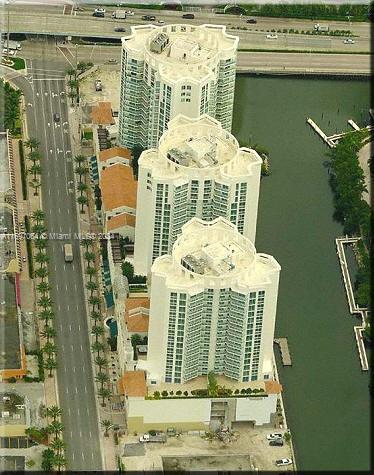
x: 56, y: 117
x: 272, y: 36
x: 251, y: 20
x: 129, y: 12
x: 24, y: 259
x: 119, y: 29
x: 349, y: 41
x: 282, y: 462
x: 274, y: 435
x: 98, y: 85
x: 161, y: 22
x: 100, y: 10
x: 276, y: 442
x: 112, y: 61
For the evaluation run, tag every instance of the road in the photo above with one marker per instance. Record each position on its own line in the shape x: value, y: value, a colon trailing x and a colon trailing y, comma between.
x: 247, y: 61
x: 76, y: 388
x: 51, y: 21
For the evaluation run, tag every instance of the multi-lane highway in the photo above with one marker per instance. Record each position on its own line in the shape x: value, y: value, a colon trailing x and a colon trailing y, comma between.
x: 44, y: 89
x: 51, y: 20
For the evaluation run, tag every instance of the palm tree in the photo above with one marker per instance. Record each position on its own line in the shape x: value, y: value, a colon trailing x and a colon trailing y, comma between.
x: 97, y: 331
x: 82, y: 187
x: 54, y: 412
x: 39, y: 229
x: 101, y: 378
x: 48, y: 333
x: 58, y: 446
x: 34, y: 156
x: 35, y: 184
x: 49, y: 349
x: 32, y: 143
x: 101, y: 362
x: 104, y: 393
x: 94, y: 301
x: 59, y: 461
x: 87, y: 243
x: 89, y: 256
x: 46, y: 315
x: 96, y: 316
x: 72, y: 95
x: 106, y: 424
x: 41, y: 258
x: 82, y: 200
x: 97, y: 346
x: 82, y: 171
x: 38, y: 216
x: 41, y: 273
x: 50, y: 365
x: 45, y: 302
x: 91, y: 271
x: 35, y: 169
x: 92, y: 286
x: 40, y: 244
x: 55, y: 428
x: 71, y: 72
x: 43, y: 288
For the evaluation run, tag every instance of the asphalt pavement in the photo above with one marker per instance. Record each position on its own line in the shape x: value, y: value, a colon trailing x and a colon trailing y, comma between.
x: 44, y: 88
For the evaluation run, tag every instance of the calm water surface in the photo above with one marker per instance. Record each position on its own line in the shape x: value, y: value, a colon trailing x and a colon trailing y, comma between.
x: 326, y: 395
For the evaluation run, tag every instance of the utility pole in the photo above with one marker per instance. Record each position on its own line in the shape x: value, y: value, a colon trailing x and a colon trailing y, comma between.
x: 7, y: 46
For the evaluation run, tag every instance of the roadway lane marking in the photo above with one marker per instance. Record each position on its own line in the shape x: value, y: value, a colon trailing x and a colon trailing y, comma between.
x: 75, y: 286
x: 83, y: 369
x: 68, y: 307
x: 67, y: 390
x: 79, y: 327
x: 49, y: 191
x: 81, y: 348
x: 69, y: 412
x: 82, y: 452
x: 66, y: 287
x: 72, y: 454
x: 59, y: 307
x: 88, y: 413
x: 73, y: 369
x: 90, y: 434
x: 72, y: 349
x: 68, y: 211
x: 57, y: 286
x: 85, y: 389
x: 78, y: 412
x: 76, y: 390
x: 70, y: 327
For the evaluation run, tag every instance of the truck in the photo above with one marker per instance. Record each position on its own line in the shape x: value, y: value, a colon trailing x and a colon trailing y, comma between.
x: 319, y: 27
x: 119, y: 15
x: 159, y: 437
x: 68, y: 252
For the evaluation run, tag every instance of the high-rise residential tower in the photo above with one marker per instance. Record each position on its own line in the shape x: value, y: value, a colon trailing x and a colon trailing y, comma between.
x: 198, y: 170
x: 171, y: 70
x: 213, y: 307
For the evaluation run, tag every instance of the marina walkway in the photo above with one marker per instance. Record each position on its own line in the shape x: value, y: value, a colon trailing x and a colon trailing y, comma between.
x: 353, y: 307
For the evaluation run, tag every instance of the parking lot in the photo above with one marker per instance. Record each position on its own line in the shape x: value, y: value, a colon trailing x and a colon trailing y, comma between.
x: 110, y: 80
x: 251, y: 448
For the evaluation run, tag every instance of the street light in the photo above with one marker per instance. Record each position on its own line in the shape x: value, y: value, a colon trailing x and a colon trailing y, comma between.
x: 7, y: 46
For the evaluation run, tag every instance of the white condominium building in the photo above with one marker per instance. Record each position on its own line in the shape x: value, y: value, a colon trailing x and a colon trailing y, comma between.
x: 198, y: 170
x: 171, y: 70
x: 213, y: 306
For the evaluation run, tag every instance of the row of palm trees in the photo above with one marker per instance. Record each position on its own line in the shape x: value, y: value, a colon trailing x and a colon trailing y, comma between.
x: 54, y: 456
x: 73, y: 85
x: 43, y: 288
x: 97, y: 329
x: 35, y: 169
x: 81, y: 169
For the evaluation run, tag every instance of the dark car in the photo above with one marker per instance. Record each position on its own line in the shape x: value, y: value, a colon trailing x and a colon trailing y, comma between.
x: 188, y: 16
x: 119, y: 29
x: 56, y: 117
x: 251, y: 20
x: 276, y: 442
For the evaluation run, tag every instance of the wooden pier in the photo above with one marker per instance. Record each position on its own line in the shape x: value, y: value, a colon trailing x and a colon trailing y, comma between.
x: 332, y: 140
x: 284, y: 351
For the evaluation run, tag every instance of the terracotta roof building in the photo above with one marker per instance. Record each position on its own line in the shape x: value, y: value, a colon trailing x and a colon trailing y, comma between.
x: 101, y: 114
x: 133, y: 384
x: 114, y: 152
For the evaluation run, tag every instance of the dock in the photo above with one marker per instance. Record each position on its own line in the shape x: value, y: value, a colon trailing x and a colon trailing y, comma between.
x: 332, y: 140
x: 284, y: 351
x: 320, y: 132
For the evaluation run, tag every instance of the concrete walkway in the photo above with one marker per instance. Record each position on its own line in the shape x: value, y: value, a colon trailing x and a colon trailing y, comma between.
x: 363, y: 157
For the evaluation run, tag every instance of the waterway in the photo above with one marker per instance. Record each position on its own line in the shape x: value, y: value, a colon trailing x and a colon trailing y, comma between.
x: 326, y: 394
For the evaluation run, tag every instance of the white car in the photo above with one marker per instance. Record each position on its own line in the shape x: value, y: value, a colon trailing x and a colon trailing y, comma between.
x: 129, y: 12
x: 100, y: 10
x: 283, y: 462
x: 274, y: 435
x: 349, y: 41
x: 10, y: 52
x: 272, y: 37
x: 161, y: 22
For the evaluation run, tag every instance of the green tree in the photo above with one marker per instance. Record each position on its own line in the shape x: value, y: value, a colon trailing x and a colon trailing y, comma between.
x: 48, y: 333
x: 101, y: 362
x: 212, y: 384
x: 94, y: 301
x: 97, y: 330
x: 91, y: 271
x: 82, y: 188
x: 91, y: 287
x: 59, y: 461
x: 41, y: 273
x: 128, y: 270
x: 82, y: 201
x: 55, y: 428
x: 36, y: 170
x: 104, y: 393
x: 46, y: 315
x: 58, y: 446
x: 40, y: 244
x: 45, y: 302
x: 54, y: 411
x: 89, y: 256
x: 48, y: 456
x: 101, y: 378
x: 41, y: 258
x: 50, y: 365
x: 86, y: 243
x: 43, y: 288
x: 38, y: 216
x: 97, y: 347
x: 32, y: 143
x: 49, y: 349
x: 105, y: 423
x: 96, y: 316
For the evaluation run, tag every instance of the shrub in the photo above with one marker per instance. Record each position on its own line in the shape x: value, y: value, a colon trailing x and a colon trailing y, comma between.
x: 178, y: 393
x: 236, y: 391
x: 242, y: 391
x: 12, y: 380
x: 171, y: 393
x: 164, y: 393
x: 185, y: 393
x: 248, y: 391
x: 156, y: 395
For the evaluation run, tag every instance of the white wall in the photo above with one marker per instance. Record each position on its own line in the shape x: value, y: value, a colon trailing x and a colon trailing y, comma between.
x: 256, y: 409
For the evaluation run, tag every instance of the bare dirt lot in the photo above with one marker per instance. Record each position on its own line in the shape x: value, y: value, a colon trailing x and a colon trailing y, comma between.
x: 208, y: 462
x: 110, y: 78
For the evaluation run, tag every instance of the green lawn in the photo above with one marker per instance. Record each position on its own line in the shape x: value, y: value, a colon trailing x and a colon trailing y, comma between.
x: 18, y: 63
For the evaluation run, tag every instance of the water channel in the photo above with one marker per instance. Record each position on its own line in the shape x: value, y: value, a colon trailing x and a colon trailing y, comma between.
x: 326, y: 394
